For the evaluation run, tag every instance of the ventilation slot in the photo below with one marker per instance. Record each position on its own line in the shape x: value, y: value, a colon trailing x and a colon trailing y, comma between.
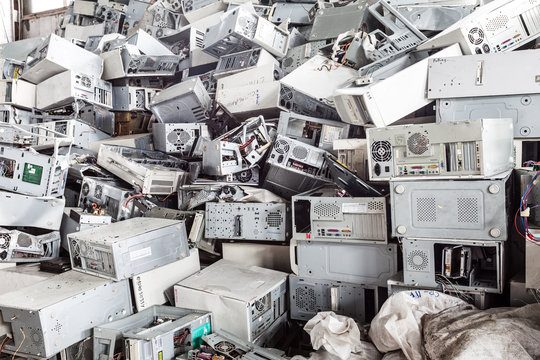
x: 418, y: 260
x: 300, y: 152
x: 426, y: 210
x: 497, y: 22
x: 468, y: 210
x: 418, y: 143
x: 326, y: 210
x: 305, y: 299
x: 375, y: 205
x: 274, y: 219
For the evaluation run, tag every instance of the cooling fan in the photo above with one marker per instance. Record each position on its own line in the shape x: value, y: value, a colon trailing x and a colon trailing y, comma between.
x: 381, y: 151
x: 281, y: 146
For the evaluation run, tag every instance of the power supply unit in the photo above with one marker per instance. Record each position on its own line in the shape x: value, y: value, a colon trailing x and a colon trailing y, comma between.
x: 460, y: 209
x: 28, y: 172
x: 112, y: 17
x: 29, y: 211
x: 309, y: 296
x: 153, y: 287
x: 131, y: 98
x: 50, y: 59
x: 18, y: 93
x: 56, y: 313
x: 195, y: 10
x: 368, y: 264
x: 106, y: 196
x: 472, y: 149
x: 69, y: 86
x: 376, y: 103
x: 127, y: 248
x: 520, y: 108
x: 500, y: 25
x: 353, y: 154
x: 178, y: 138
x: 20, y: 247
x: 468, y: 265
x: 316, y: 132
x: 241, y: 30
x: 294, y: 167
x: 241, y: 61
x: 324, y: 214
x: 250, y: 221
x: 153, y: 333
x: 230, y: 346
x: 245, y: 300
x: 185, y: 102
x: 153, y: 172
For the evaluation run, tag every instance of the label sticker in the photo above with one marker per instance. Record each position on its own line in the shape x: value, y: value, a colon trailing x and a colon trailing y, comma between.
x: 354, y: 208
x: 140, y: 254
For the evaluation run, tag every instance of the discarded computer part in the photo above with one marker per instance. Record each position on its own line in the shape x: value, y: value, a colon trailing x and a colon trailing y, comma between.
x: 147, y: 44
x: 244, y: 300
x: 319, y: 78
x: 208, y: 80
x: 50, y: 59
x: 12, y: 115
x: 353, y: 153
x: 248, y: 177
x: 368, y: 104
x: 532, y: 270
x: 185, y: 102
x: 330, y: 22
x: 131, y: 122
x: 127, y: 61
x: 230, y: 346
x: 378, y: 47
x: 178, y: 138
x: 69, y: 86
x: 481, y: 75
x: 113, y: 19
x: 129, y: 98
x: 237, y: 150
x: 368, y: 264
x: 241, y: 30
x: 18, y: 50
x: 194, y: 220
x: 137, y: 141
x: 247, y: 221
x: 298, y: 55
x: 195, y: 10
x: 28, y: 172
x: 86, y: 8
x: 193, y: 196
x: 127, y: 248
x: 104, y: 196
x: 521, y: 108
x: 473, y: 149
x: 20, y: 247
x: 432, y: 16
x: 349, y: 182
x: 44, y: 312
x: 309, y: 296
x: 75, y: 219
x: 312, y: 131
x: 267, y: 255
x: 18, y: 93
x: 501, y: 25
x: 97, y: 117
x: 324, y: 214
x: 458, y: 264
x: 523, y: 177
x: 163, y: 330
x: 160, y: 22
x: 237, y: 62
x: 378, y: 71
x: 153, y: 172
x: 83, y: 33
x: 269, y: 99
x: 30, y: 211
x: 294, y: 167
x: 135, y: 11
x: 295, y: 13
x: 98, y: 44
x: 255, y: 76
x: 10, y: 69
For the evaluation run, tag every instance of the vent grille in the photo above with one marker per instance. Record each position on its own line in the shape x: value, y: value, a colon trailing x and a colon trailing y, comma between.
x: 418, y: 143
x: 178, y: 137
x: 274, y: 219
x: 5, y: 239
x: 418, y: 260
x: 281, y: 147
x: 497, y: 22
x: 24, y: 240
x: 426, y: 209
x: 224, y: 347
x: 326, y: 210
x: 468, y: 210
x: 381, y: 151
x: 300, y: 152
x: 375, y: 205
x: 476, y: 36
x: 305, y: 299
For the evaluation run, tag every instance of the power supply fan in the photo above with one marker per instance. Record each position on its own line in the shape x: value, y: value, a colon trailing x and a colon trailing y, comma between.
x: 262, y: 304
x: 476, y: 36
x: 86, y: 82
x: 224, y: 347
x: 244, y: 176
x: 286, y: 93
x: 418, y: 143
x: 418, y: 260
x: 85, y: 189
x: 381, y: 151
x: 5, y: 239
x: 98, y: 193
x: 281, y: 146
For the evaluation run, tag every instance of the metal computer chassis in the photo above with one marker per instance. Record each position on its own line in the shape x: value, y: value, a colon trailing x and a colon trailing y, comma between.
x: 30, y: 211
x: 19, y: 246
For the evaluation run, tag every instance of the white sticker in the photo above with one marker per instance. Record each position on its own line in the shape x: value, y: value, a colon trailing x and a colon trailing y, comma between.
x: 354, y: 208
x: 140, y: 254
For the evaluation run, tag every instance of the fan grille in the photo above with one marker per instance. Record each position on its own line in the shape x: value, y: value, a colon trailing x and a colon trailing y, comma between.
x: 418, y: 260
x: 281, y: 146
x: 274, y: 219
x: 381, y: 151
x: 418, y: 143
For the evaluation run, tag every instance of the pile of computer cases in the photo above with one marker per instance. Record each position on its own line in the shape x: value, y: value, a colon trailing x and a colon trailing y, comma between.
x: 179, y: 174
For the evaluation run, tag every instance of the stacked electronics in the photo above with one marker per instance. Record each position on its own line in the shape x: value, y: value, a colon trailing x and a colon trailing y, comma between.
x: 146, y: 140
